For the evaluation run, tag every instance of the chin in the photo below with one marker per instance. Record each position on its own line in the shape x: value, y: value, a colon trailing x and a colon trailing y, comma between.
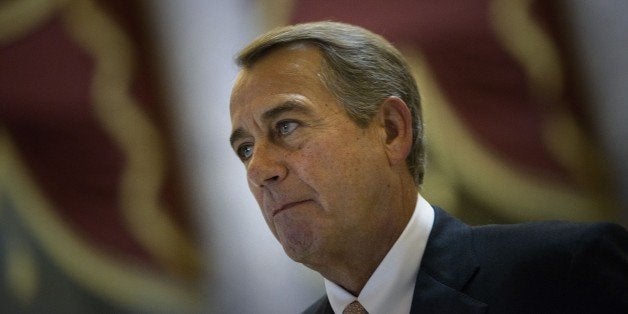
x: 297, y: 235
x: 304, y: 248
x: 298, y: 251
x: 311, y: 259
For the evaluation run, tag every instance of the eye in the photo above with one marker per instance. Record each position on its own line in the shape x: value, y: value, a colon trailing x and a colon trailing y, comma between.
x: 286, y: 127
x: 245, y: 151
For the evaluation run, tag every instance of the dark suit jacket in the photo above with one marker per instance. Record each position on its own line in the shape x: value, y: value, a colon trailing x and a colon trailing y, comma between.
x: 545, y: 267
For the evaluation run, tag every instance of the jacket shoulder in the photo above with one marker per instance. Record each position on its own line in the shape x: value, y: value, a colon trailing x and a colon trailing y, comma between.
x: 548, y: 235
x: 558, y: 264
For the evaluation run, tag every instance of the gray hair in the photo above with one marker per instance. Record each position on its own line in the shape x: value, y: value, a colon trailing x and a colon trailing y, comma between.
x: 360, y: 68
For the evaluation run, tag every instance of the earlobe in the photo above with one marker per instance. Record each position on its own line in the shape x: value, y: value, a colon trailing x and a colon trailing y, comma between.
x: 397, y: 123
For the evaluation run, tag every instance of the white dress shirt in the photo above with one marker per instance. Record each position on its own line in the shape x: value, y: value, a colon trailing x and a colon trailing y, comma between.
x: 391, y: 287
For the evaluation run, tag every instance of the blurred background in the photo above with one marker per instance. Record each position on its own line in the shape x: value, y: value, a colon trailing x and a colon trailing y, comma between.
x: 119, y: 191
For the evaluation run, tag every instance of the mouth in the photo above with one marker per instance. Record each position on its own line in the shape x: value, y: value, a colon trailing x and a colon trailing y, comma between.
x: 288, y: 206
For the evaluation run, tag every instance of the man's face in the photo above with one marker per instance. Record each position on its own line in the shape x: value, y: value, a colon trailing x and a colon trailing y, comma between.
x: 316, y: 175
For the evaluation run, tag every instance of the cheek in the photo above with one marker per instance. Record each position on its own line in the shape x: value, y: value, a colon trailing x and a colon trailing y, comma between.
x: 259, y: 197
x: 257, y: 193
x: 345, y: 159
x: 329, y: 168
x: 316, y: 161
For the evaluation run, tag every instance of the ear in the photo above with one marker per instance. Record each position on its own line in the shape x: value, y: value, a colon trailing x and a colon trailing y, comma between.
x: 396, y: 119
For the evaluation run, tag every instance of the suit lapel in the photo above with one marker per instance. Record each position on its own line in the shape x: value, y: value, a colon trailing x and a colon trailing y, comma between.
x: 448, y: 264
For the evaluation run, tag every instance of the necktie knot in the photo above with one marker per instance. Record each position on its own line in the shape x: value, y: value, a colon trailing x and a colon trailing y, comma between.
x: 355, y: 308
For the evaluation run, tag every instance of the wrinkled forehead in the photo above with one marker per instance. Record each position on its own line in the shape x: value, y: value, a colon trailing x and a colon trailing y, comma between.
x: 291, y: 69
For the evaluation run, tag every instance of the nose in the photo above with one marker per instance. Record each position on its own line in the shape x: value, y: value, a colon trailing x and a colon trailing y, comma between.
x: 267, y: 165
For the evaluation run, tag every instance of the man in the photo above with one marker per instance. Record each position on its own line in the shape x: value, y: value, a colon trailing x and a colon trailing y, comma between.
x: 326, y: 119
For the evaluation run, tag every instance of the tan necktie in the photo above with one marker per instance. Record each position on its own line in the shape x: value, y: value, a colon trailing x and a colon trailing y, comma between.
x: 355, y: 308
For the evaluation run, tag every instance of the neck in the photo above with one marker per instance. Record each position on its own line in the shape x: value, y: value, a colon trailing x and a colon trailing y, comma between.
x: 354, y: 266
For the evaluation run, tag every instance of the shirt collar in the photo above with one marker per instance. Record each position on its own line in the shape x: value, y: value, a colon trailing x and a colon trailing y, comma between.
x: 391, y: 286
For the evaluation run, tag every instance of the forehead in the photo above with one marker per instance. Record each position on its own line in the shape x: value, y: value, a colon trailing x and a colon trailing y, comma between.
x: 294, y: 69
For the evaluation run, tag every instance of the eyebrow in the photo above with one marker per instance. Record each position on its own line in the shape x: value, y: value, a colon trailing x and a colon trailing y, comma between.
x: 270, y: 114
